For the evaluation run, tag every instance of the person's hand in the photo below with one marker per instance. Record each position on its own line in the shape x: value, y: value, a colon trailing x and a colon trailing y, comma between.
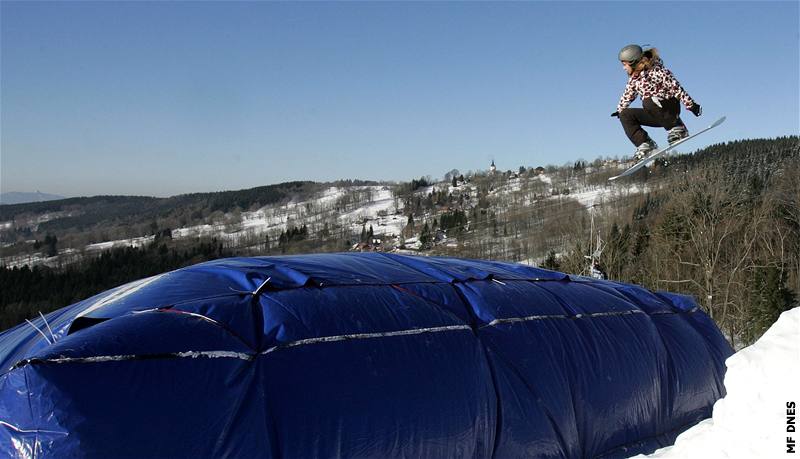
x: 696, y: 109
x: 615, y: 114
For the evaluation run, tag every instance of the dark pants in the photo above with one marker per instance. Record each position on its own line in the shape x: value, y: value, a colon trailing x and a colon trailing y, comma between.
x: 666, y: 116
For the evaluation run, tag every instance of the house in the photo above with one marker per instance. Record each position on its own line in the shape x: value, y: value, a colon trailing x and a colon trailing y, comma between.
x: 374, y: 244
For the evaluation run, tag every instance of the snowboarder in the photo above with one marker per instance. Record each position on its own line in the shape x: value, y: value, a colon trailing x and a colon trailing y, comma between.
x: 661, y: 96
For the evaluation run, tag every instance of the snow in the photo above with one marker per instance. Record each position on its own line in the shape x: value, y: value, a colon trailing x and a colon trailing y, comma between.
x: 379, y: 211
x: 329, y: 196
x: 591, y: 197
x: 133, y: 242
x: 751, y: 421
x: 64, y: 257
x: 382, y: 202
x: 18, y: 261
x: 413, y: 243
x: 196, y: 231
x: 346, y: 207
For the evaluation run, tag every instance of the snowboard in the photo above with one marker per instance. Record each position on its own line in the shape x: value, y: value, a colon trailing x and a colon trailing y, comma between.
x: 665, y: 150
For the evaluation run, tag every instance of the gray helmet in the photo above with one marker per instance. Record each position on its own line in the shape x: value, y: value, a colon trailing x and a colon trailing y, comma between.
x: 631, y: 53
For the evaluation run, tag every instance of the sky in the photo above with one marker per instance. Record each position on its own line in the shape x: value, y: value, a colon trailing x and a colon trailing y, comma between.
x: 165, y: 98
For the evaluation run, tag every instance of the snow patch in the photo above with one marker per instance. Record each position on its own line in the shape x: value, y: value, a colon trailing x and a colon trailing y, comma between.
x: 133, y: 242
x: 751, y: 421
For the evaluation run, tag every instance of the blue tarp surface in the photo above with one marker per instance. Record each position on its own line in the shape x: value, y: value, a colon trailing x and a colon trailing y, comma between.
x: 360, y: 355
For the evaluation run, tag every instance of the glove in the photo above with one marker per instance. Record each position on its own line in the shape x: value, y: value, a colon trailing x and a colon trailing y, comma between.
x: 696, y: 109
x: 615, y: 114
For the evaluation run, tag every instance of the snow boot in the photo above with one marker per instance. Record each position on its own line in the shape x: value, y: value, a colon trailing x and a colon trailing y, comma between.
x: 677, y: 133
x: 644, y: 149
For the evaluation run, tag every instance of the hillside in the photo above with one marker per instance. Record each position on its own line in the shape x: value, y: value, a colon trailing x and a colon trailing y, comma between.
x: 721, y: 224
x: 19, y: 197
x: 84, y: 214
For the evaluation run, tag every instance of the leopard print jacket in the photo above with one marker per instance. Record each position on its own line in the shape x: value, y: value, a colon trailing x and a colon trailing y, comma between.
x: 656, y: 82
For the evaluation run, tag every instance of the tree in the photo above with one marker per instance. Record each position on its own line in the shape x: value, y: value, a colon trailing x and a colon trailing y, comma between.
x: 425, y: 237
x: 711, y: 230
x: 451, y: 174
x: 409, y: 229
x: 50, y: 242
x: 454, y: 221
x: 575, y: 260
x: 768, y: 299
x: 551, y: 261
x: 615, y: 252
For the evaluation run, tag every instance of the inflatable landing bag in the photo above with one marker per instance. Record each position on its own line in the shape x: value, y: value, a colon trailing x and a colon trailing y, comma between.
x: 359, y: 355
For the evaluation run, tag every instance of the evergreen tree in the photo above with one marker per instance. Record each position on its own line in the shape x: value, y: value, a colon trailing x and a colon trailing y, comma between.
x: 551, y: 261
x: 769, y: 298
x: 50, y: 242
x: 410, y: 223
x: 425, y: 237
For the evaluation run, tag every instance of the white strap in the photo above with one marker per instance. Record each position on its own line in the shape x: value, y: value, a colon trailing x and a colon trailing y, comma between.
x: 656, y: 101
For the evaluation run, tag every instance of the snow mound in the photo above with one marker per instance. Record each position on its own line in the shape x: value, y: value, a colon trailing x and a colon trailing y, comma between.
x: 751, y: 421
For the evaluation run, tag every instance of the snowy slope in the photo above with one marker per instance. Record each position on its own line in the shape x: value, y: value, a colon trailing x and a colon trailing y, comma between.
x: 349, y: 208
x: 751, y: 421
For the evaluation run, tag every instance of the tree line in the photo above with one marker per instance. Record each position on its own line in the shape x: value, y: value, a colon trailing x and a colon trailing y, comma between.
x: 24, y: 292
x: 726, y: 230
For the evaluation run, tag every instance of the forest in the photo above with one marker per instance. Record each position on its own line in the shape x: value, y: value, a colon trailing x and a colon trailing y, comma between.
x: 726, y: 231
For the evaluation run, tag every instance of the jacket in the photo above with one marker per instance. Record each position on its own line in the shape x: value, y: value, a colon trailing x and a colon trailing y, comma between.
x: 656, y: 82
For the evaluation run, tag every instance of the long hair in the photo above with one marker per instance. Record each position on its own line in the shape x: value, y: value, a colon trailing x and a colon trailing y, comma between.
x: 649, y: 59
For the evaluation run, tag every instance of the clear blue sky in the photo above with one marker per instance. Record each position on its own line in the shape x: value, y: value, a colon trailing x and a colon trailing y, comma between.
x: 165, y: 98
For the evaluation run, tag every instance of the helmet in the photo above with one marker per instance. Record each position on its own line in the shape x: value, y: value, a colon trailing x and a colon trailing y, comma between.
x: 631, y: 53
